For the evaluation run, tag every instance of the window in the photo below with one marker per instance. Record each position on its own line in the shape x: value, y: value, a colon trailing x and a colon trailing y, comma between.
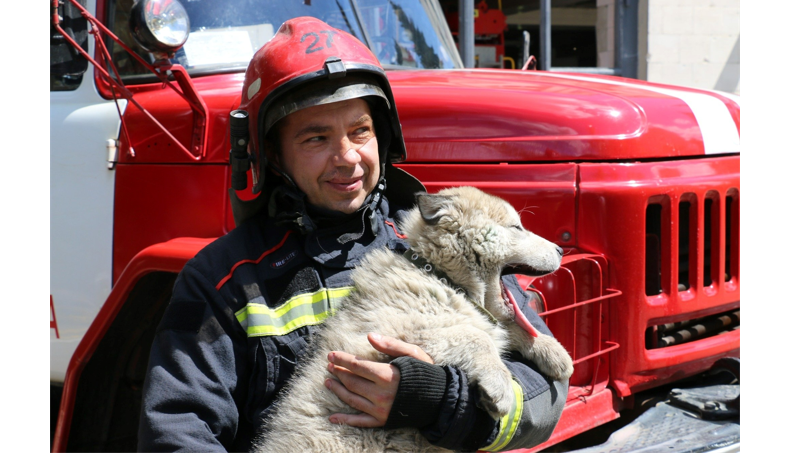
x: 589, y: 36
x: 66, y: 65
x: 224, y: 35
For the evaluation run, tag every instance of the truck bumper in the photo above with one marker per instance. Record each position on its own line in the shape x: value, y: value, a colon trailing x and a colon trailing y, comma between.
x: 704, y: 419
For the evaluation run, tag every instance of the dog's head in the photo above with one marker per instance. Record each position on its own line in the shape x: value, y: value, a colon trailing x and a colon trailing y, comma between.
x: 475, y: 238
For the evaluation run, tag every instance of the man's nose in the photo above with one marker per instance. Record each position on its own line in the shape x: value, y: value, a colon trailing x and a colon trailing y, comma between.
x: 346, y: 153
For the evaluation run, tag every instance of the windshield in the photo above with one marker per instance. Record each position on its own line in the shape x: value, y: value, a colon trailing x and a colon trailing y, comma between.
x: 408, y: 33
x: 224, y: 34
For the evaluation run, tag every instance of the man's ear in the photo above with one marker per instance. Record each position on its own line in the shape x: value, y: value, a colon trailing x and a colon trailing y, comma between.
x: 432, y: 207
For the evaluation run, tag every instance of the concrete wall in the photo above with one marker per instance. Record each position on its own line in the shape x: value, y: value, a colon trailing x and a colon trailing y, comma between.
x: 695, y: 43
x: 604, y: 32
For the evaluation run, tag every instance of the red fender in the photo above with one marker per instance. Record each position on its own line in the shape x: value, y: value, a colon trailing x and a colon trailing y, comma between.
x: 170, y: 256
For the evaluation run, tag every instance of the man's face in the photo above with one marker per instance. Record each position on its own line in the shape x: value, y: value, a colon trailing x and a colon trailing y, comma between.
x: 331, y: 153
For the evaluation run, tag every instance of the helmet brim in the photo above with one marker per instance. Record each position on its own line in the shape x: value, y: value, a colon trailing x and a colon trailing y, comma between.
x: 320, y: 93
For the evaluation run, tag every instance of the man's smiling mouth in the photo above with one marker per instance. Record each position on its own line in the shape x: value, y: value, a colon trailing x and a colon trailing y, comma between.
x: 345, y: 184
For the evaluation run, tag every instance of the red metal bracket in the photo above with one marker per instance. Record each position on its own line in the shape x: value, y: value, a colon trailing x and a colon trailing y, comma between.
x: 187, y: 91
x: 576, y: 293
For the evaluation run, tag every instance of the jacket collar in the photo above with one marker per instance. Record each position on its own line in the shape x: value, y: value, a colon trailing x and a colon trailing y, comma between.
x: 334, y: 239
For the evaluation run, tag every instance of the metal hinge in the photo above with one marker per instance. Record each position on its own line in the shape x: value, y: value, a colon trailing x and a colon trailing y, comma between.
x: 112, y: 153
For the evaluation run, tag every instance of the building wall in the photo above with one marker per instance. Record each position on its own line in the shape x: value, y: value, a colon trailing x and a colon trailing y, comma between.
x: 604, y: 32
x: 695, y: 43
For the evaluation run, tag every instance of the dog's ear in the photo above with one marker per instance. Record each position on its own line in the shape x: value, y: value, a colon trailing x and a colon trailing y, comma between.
x: 432, y: 207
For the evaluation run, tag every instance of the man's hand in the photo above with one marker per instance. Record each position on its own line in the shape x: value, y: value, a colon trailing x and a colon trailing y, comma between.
x: 368, y: 386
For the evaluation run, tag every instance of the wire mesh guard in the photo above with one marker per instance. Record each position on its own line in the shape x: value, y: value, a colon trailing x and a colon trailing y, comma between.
x: 576, y: 301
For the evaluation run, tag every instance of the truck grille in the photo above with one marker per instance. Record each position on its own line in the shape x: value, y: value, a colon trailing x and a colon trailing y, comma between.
x: 669, y: 334
x: 695, y: 226
x: 698, y: 231
x: 670, y: 230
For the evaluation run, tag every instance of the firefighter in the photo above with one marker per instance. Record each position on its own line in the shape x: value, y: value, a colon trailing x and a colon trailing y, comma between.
x: 324, y: 132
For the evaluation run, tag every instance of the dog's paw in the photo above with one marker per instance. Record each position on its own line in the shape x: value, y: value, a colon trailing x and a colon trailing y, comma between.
x: 551, y: 358
x: 496, y: 393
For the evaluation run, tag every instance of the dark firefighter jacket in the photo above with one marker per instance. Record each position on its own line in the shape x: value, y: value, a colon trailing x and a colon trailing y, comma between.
x: 241, y: 317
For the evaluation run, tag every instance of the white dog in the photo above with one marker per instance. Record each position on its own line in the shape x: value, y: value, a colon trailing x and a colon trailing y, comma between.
x: 473, y: 238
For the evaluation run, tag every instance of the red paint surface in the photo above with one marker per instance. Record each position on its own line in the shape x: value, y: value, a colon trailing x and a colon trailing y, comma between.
x: 544, y: 194
x: 526, y: 116
x: 156, y: 203
x: 580, y: 416
x: 221, y: 94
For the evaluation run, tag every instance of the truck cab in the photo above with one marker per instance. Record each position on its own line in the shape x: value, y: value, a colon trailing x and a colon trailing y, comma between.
x: 638, y: 182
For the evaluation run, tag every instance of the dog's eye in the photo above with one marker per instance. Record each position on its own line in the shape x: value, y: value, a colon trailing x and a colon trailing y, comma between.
x: 517, y: 227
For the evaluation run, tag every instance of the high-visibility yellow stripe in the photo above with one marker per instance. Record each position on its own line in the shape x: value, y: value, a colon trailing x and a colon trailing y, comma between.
x: 508, y: 424
x: 301, y: 310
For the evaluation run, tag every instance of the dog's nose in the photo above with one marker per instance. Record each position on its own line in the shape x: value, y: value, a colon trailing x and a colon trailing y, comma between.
x: 560, y: 251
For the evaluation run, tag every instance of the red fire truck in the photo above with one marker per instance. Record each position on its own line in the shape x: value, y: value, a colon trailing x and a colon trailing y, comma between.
x: 638, y: 182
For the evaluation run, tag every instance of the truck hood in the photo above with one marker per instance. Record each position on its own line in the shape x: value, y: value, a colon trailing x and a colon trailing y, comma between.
x: 528, y: 116
x: 481, y: 115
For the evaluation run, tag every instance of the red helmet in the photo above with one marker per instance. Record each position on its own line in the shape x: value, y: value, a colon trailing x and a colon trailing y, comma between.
x: 309, y: 63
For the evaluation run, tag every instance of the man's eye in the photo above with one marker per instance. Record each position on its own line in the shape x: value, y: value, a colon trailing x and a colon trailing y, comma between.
x: 315, y: 139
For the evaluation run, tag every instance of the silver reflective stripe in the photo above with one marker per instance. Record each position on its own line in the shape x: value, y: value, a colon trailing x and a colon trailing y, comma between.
x: 301, y: 310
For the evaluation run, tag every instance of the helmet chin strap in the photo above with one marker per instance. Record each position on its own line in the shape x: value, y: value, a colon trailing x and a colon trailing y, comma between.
x: 375, y: 201
x: 275, y: 168
x: 298, y: 200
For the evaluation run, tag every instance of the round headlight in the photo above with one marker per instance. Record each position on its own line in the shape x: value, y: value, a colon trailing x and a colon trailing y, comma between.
x: 159, y: 25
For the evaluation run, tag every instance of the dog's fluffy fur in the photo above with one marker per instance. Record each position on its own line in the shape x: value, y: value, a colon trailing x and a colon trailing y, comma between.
x: 471, y: 236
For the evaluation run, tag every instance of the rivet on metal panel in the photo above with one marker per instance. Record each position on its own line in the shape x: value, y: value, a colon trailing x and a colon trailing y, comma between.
x: 566, y: 236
